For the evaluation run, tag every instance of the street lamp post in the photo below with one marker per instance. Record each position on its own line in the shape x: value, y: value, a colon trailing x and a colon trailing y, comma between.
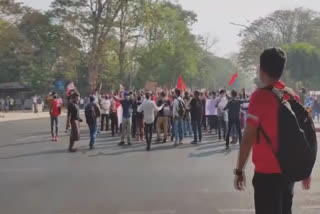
x: 252, y: 29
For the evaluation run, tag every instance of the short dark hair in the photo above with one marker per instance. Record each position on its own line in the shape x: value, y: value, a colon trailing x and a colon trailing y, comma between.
x: 177, y: 91
x: 163, y: 94
x: 147, y: 95
x: 234, y: 93
x: 75, y: 94
x: 273, y: 61
x: 197, y: 93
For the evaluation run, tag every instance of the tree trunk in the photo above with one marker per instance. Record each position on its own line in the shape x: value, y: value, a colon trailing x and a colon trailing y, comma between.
x: 92, y: 70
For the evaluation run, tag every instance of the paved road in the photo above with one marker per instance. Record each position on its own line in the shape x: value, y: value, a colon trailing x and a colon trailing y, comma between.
x: 39, y: 177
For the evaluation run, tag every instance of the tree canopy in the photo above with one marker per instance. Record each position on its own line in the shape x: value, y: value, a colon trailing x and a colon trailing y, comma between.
x: 297, y: 31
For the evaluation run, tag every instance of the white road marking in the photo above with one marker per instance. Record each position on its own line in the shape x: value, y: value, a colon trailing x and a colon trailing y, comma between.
x: 205, y: 190
x: 26, y: 138
x: 150, y: 212
x: 236, y: 210
x: 310, y: 207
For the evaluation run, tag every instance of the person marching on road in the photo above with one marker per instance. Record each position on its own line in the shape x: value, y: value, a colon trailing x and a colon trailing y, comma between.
x: 92, y: 113
x: 55, y: 111
x: 196, y: 117
x: 74, y: 120
x: 233, y: 108
x: 114, y: 115
x: 105, y: 112
x: 179, y: 112
x: 127, y: 118
x: 163, y: 117
x: 187, y: 118
x: 148, y: 107
x: 139, y: 119
x: 221, y: 104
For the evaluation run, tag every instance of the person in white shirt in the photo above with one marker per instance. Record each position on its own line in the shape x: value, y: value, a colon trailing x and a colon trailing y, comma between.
x: 148, y: 107
x: 177, y: 118
x: 105, y: 112
x: 211, y: 111
x: 222, y: 102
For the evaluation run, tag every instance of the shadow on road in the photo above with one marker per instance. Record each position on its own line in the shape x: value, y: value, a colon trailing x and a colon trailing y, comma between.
x: 213, y: 152
x: 58, y: 151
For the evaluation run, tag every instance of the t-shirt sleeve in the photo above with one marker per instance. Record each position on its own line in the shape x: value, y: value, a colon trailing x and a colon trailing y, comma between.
x: 254, y: 110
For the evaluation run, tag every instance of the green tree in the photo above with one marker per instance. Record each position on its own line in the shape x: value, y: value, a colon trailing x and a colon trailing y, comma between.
x: 171, y: 49
x: 15, y: 53
x: 275, y: 30
x: 93, y: 21
x: 55, y: 51
x: 303, y: 64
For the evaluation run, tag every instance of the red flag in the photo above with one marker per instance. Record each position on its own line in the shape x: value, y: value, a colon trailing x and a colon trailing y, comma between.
x: 181, y: 84
x: 233, y: 79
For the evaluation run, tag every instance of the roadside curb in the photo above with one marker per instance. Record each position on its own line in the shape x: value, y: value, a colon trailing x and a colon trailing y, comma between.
x: 5, y: 118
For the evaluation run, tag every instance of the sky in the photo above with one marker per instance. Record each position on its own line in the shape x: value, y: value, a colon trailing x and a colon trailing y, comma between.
x: 214, y: 17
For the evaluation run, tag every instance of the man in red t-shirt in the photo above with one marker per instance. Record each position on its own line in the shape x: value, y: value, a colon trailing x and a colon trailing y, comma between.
x: 55, y: 111
x: 273, y: 192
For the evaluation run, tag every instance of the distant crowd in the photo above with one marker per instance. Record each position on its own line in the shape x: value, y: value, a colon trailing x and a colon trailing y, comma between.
x: 172, y: 115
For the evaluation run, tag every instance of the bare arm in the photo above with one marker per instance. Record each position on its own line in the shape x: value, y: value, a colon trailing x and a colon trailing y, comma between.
x: 249, y: 137
x: 250, y: 134
x: 156, y: 108
x: 140, y: 108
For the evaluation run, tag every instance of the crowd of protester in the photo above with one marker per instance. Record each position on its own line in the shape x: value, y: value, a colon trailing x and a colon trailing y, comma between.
x: 171, y: 115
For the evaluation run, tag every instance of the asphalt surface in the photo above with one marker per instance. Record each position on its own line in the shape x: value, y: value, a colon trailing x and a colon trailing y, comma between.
x: 38, y: 176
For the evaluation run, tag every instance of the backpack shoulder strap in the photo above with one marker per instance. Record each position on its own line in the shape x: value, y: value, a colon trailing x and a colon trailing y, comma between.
x: 266, y: 137
x: 279, y: 93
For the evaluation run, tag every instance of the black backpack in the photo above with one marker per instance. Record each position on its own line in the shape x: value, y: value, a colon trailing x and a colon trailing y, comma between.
x: 90, y: 113
x: 182, y: 108
x: 296, y: 136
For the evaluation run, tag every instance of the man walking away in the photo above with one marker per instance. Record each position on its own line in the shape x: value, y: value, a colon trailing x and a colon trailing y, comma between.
x: 179, y: 112
x: 105, y: 112
x: 126, y: 118
x: 163, y: 117
x: 233, y: 108
x: 273, y: 184
x: 74, y: 120
x: 221, y: 104
x: 92, y: 113
x: 196, y: 117
x: 55, y: 111
x: 148, y: 107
